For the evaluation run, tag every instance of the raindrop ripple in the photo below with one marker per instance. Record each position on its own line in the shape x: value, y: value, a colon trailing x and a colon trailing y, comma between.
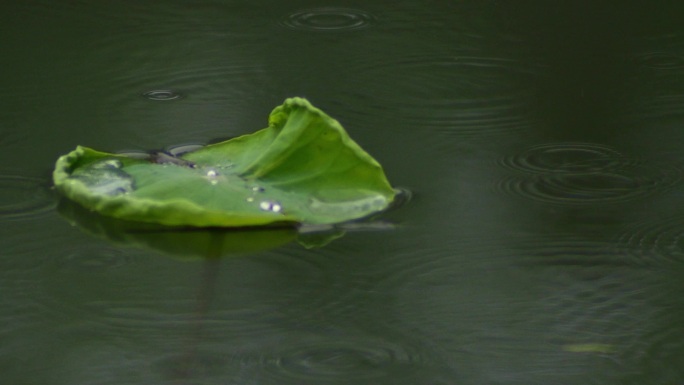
x: 352, y: 358
x: 661, y: 60
x: 162, y: 95
x: 456, y: 94
x: 329, y: 19
x: 93, y: 257
x: 24, y: 197
x: 656, y: 242
x: 584, y: 173
x: 566, y: 158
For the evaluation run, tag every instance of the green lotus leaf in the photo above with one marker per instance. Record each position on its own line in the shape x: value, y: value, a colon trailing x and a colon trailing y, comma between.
x: 302, y: 169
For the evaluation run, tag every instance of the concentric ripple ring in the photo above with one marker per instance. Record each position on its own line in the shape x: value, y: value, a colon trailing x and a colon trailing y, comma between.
x: 23, y: 197
x: 328, y: 19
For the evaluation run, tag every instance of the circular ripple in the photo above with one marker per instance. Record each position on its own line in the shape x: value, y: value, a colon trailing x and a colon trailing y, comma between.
x: 581, y: 173
x: 162, y: 95
x: 571, y: 252
x: 317, y: 359
x: 606, y: 312
x: 660, y: 107
x: 24, y: 197
x: 655, y: 242
x: 661, y: 60
x: 454, y: 94
x: 329, y: 19
x: 122, y: 302
x: 576, y: 189
x: 93, y: 257
x: 190, y: 364
x: 116, y: 310
x: 102, y: 285
x: 566, y: 158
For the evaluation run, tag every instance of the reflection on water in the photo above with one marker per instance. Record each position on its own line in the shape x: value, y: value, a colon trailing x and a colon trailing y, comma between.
x: 543, y: 246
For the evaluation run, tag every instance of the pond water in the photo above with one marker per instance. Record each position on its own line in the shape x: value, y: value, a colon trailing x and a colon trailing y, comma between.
x: 544, y: 243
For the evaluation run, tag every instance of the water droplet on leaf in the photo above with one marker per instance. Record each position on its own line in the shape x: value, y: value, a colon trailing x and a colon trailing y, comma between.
x: 270, y: 206
x: 105, y: 177
x: 108, y: 163
x: 362, y: 205
x: 183, y: 149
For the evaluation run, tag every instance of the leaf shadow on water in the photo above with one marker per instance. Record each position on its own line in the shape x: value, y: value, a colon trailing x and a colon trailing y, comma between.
x: 212, y: 247
x: 208, y: 246
x: 180, y: 242
x: 200, y: 243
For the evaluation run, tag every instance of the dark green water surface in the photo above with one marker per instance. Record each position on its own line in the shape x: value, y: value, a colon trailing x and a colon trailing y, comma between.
x: 544, y: 243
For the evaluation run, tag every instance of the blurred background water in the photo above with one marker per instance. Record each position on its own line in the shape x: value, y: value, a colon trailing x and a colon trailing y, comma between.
x: 542, y: 141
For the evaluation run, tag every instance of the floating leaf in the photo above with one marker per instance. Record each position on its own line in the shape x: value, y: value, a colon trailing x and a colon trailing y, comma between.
x: 302, y: 168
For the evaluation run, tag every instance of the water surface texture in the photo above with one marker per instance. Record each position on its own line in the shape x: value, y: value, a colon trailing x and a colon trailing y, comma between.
x: 542, y: 142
